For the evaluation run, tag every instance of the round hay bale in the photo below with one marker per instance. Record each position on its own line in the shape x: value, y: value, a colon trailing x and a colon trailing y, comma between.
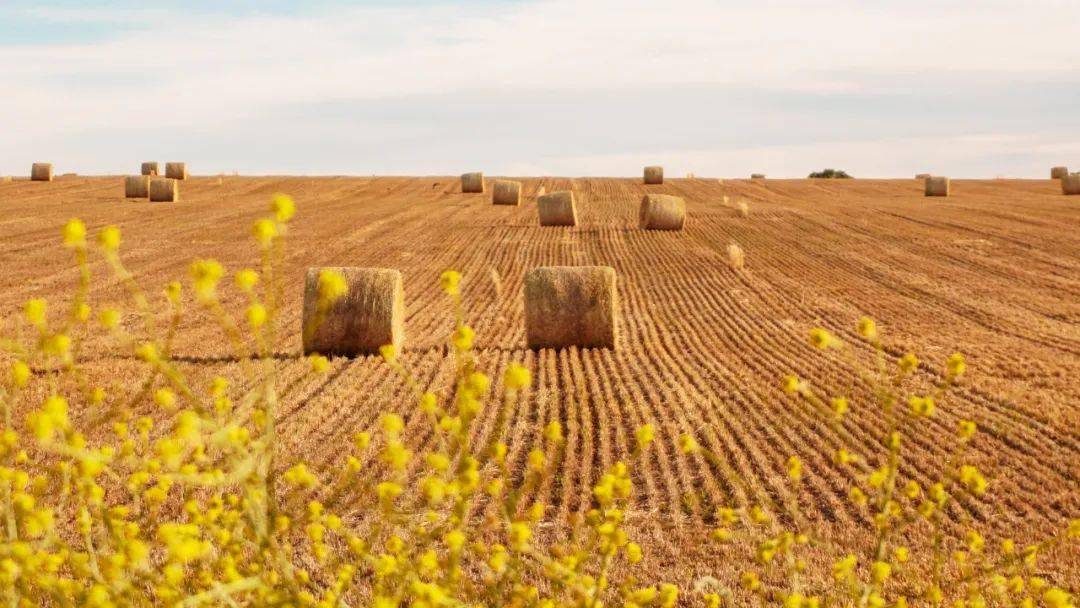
x: 937, y: 186
x: 151, y: 168
x: 472, y: 182
x: 1070, y: 184
x: 571, y: 306
x: 557, y: 209
x: 369, y: 315
x: 654, y: 175
x: 41, y: 172
x: 922, y: 175
x: 164, y: 190
x: 137, y: 186
x: 541, y: 191
x: 736, y: 256
x: 1059, y: 172
x: 506, y: 192
x: 176, y: 170
x: 662, y: 212
x: 757, y: 176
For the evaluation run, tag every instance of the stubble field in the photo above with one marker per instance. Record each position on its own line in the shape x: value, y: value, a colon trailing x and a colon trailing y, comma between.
x: 992, y: 272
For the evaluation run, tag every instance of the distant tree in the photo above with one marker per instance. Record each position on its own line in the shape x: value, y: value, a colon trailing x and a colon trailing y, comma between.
x: 830, y: 174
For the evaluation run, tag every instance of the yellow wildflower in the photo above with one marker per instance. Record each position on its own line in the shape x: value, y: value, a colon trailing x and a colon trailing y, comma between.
x: 75, y: 233
x: 109, y: 238
x: 867, y: 328
x: 449, y: 280
x: 283, y: 207
x: 516, y: 377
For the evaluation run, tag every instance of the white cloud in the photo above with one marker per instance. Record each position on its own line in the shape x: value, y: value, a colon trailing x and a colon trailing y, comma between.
x: 185, y: 74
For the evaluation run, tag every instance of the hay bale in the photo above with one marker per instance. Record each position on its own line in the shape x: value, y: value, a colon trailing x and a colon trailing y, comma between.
x: 506, y: 192
x: 151, y: 168
x: 176, y: 170
x: 557, y: 209
x: 662, y: 212
x: 472, y: 182
x: 743, y: 207
x: 1070, y: 184
x: 757, y: 176
x: 922, y: 175
x: 571, y: 306
x: 6, y: 179
x: 736, y: 256
x: 937, y: 186
x: 541, y: 191
x: 1059, y: 172
x: 137, y: 186
x: 654, y: 175
x: 164, y: 190
x: 369, y: 315
x: 41, y: 172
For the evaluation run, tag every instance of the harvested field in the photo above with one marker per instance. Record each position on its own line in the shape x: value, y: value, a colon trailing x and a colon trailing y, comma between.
x: 993, y: 272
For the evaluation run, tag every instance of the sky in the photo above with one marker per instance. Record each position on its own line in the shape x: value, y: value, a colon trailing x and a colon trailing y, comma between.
x: 879, y: 88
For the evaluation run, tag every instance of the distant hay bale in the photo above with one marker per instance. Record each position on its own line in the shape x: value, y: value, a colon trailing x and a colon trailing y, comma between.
x: 1059, y: 172
x: 369, y: 315
x: 743, y: 207
x: 137, y: 186
x: 654, y: 175
x: 41, y: 172
x: 571, y: 306
x: 151, y: 168
x: 176, y: 170
x: 541, y: 191
x: 937, y: 186
x: 1070, y: 184
x: 922, y: 175
x: 736, y: 256
x: 662, y: 212
x: 472, y: 182
x: 689, y: 176
x: 757, y: 176
x: 164, y: 190
x: 557, y: 209
x: 5, y: 179
x: 506, y: 192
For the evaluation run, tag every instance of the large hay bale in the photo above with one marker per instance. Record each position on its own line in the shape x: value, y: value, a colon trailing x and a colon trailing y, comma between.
x: 1059, y: 172
x: 137, y: 186
x: 41, y: 172
x: 571, y: 306
x: 937, y: 186
x: 472, y: 182
x: 151, y: 168
x: 176, y: 170
x: 654, y: 175
x: 506, y: 192
x: 922, y: 175
x: 1070, y: 184
x: 757, y: 176
x: 662, y: 212
x: 369, y: 315
x: 164, y: 190
x: 557, y: 209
